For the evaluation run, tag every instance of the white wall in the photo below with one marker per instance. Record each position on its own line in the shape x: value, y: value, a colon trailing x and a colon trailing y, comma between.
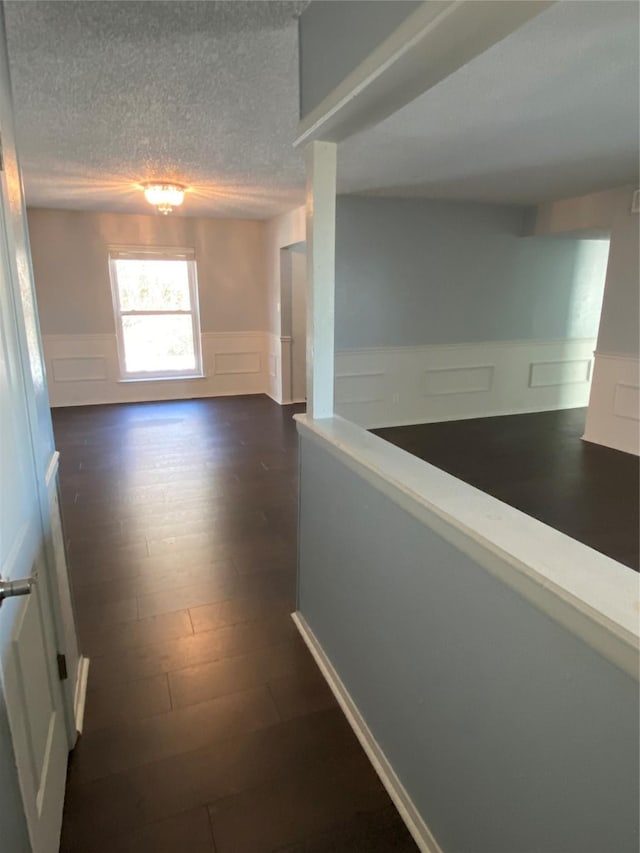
x: 614, y: 407
x: 444, y: 310
x: 70, y: 251
x: 282, y: 231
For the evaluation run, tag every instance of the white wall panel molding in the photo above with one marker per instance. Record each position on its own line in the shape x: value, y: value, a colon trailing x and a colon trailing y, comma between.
x: 614, y: 408
x: 81, y: 369
x: 402, y: 385
x: 225, y: 363
x: 544, y: 374
x: 84, y: 370
x: 626, y: 401
x: 458, y: 380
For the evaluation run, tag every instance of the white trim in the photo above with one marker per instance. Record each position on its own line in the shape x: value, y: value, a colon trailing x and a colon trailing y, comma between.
x: 427, y: 348
x: 186, y: 378
x: 421, y: 833
x: 156, y: 253
x: 81, y: 692
x: 52, y: 469
x: 616, y: 356
x: 613, y: 419
x: 320, y: 161
x: 181, y: 253
x: 429, y: 45
x: 218, y: 336
x: 591, y: 595
x: 83, y: 336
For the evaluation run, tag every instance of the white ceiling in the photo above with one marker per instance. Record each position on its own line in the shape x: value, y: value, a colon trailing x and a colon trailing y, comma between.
x: 108, y: 94
x: 550, y: 112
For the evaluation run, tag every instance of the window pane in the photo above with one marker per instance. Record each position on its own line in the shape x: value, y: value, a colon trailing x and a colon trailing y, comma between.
x: 157, y: 344
x: 153, y: 285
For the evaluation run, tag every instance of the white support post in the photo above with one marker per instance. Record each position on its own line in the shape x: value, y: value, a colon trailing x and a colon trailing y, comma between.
x: 320, y: 158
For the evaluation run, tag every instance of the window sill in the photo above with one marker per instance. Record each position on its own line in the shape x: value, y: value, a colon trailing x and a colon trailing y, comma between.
x: 180, y: 378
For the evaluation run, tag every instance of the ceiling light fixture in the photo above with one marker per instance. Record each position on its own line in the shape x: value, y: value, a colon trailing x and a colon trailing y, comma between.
x: 164, y: 196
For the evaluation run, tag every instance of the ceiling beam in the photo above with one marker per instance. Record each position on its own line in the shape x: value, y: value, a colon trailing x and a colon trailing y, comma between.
x: 433, y: 42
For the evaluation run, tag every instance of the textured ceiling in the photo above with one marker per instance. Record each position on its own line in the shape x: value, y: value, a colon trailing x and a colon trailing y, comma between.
x: 108, y: 94
x: 550, y: 112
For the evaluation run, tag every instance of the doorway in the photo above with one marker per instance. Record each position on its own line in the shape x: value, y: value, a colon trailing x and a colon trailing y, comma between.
x: 293, y: 319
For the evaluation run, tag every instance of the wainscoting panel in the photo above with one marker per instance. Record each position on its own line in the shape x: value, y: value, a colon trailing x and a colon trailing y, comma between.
x: 458, y: 380
x: 403, y: 385
x: 626, y: 401
x: 614, y: 409
x: 236, y: 362
x: 359, y: 388
x: 547, y: 373
x: 84, y: 370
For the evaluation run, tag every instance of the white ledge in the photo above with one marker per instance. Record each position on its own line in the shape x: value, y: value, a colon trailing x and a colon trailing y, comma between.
x: 131, y: 379
x: 588, y: 593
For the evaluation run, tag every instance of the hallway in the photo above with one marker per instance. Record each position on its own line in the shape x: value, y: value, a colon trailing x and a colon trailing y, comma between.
x: 208, y: 726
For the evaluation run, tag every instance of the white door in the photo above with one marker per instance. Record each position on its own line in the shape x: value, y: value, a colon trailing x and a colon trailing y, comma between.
x: 29, y: 682
x: 298, y: 326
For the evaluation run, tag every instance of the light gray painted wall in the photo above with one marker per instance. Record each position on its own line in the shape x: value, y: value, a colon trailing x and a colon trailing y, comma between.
x: 70, y: 263
x: 621, y: 306
x: 419, y: 272
x: 508, y: 732
x: 336, y: 36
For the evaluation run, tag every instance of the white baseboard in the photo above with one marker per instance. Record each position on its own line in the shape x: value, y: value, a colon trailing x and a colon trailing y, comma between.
x: 81, y: 692
x: 614, y: 408
x: 403, y: 385
x: 84, y: 370
x: 419, y: 830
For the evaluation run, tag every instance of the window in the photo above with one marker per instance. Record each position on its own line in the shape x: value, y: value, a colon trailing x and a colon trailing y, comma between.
x: 155, y: 300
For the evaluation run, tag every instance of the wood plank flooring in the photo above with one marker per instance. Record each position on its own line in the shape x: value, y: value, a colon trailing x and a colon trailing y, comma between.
x: 539, y: 464
x: 208, y: 726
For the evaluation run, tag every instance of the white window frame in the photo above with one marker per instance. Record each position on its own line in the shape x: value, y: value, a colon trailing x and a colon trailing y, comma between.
x: 146, y: 253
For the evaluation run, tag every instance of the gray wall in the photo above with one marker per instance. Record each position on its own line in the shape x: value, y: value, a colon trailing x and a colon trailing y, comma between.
x: 509, y: 733
x: 419, y: 272
x: 336, y: 36
x: 70, y: 263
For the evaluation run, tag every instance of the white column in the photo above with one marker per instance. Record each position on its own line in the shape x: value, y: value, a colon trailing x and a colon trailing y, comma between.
x: 320, y: 158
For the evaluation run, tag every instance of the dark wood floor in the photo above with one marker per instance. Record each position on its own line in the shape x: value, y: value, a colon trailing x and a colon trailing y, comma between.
x: 208, y: 726
x: 539, y: 464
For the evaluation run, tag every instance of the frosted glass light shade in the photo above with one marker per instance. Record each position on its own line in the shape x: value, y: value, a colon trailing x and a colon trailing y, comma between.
x: 164, y: 196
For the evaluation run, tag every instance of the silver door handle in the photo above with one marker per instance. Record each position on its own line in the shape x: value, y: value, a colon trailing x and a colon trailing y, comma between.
x: 20, y: 587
